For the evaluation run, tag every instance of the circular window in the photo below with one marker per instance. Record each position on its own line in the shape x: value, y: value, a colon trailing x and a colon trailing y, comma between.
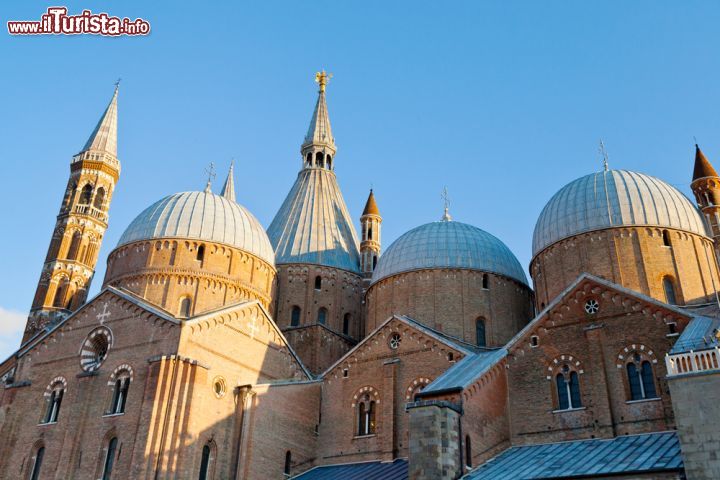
x: 592, y: 306
x: 95, y: 349
x: 394, y: 341
x: 219, y: 387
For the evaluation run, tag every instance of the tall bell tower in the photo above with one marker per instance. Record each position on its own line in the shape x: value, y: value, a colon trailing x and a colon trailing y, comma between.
x: 706, y: 187
x: 370, y: 222
x: 70, y: 262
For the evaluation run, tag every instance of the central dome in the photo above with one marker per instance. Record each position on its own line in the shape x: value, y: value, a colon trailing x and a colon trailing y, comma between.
x: 614, y: 198
x: 448, y: 244
x: 201, y: 216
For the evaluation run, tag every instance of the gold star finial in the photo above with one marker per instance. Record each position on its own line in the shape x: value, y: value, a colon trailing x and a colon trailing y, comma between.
x: 322, y: 78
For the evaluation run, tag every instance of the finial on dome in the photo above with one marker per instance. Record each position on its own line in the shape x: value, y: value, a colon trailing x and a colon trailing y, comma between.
x: 446, y: 199
x: 211, y: 176
x: 604, y: 154
x: 322, y: 78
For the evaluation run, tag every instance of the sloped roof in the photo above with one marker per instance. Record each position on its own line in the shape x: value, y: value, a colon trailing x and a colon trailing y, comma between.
x: 630, y: 454
x: 319, y: 132
x: 700, y: 334
x: 703, y: 168
x: 104, y: 137
x: 371, y: 207
x: 396, y: 470
x: 464, y: 372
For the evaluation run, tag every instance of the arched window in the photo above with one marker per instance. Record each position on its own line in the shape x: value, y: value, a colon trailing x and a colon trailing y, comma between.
x: 318, y: 282
x: 200, y: 255
x: 185, y: 307
x: 346, y: 324
x: 120, y: 392
x: 99, y: 198
x: 295, y: 316
x: 480, y: 335
x: 61, y: 293
x: 641, y: 379
x: 374, y: 261
x: 288, y: 462
x: 86, y: 194
x: 37, y: 463
x: 54, y: 401
x: 468, y: 452
x: 485, y: 281
x: 69, y: 195
x: 568, y: 389
x: 109, y: 458
x: 74, y: 246
x: 669, y: 291
x: 205, y: 463
x: 329, y: 162
x: 666, y: 238
x: 366, y: 416
x: 369, y: 233
x: 322, y: 315
x: 319, y: 159
x: 308, y: 159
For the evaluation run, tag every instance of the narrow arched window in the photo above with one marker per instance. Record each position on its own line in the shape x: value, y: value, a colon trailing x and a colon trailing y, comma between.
x: 374, y: 261
x: 346, y: 324
x: 669, y: 291
x: 99, y: 198
x: 485, y: 281
x: 308, y: 159
x: 318, y: 282
x: 37, y: 463
x: 200, y: 255
x: 370, y: 231
x: 120, y: 393
x: 185, y: 307
x: 288, y: 462
x: 69, y: 195
x: 480, y: 334
x: 319, y: 159
x: 86, y: 194
x: 641, y: 379
x: 54, y: 402
x: 61, y: 293
x: 205, y: 463
x: 666, y: 238
x: 322, y: 315
x: 74, y: 246
x: 567, y: 383
x: 468, y: 452
x: 648, y: 381
x: 109, y: 458
x: 329, y: 162
x: 295, y: 316
x: 366, y: 416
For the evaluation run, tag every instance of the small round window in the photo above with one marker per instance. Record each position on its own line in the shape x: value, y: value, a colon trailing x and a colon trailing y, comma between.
x: 592, y: 306
x: 95, y: 349
x: 219, y: 387
x: 394, y: 341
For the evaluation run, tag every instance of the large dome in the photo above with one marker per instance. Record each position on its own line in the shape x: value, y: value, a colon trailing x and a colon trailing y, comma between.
x: 201, y: 216
x: 611, y: 199
x: 448, y: 244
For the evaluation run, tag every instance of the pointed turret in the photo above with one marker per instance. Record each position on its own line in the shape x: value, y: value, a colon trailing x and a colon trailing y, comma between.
x: 318, y: 149
x: 370, y: 222
x: 228, y: 190
x: 706, y: 187
x: 104, y: 137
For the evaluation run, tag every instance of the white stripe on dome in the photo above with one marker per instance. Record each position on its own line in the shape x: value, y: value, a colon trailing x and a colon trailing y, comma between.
x: 610, y: 199
x: 201, y: 216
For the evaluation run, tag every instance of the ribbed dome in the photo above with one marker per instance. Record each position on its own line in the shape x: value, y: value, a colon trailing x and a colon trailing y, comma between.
x: 611, y: 199
x: 448, y: 244
x: 201, y: 216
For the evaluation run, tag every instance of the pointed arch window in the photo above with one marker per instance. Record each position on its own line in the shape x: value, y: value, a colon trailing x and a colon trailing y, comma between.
x: 641, y: 379
x: 295, y: 316
x: 86, y: 194
x: 480, y: 332
x: 568, y: 389
x: 322, y: 315
x: 109, y: 459
x: 99, y: 198
x: 366, y: 416
x: 37, y: 463
x: 669, y: 290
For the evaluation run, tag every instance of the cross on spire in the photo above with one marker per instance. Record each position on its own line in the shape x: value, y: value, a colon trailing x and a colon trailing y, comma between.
x: 604, y: 154
x: 446, y: 200
x: 322, y: 78
x: 211, y: 176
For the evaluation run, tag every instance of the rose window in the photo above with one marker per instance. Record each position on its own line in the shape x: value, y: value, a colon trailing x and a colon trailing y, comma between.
x: 592, y: 306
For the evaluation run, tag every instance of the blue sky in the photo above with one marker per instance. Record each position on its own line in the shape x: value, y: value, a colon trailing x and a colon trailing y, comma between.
x: 503, y: 102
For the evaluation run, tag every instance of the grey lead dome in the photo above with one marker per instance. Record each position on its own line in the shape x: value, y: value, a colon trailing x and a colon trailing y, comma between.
x: 614, y: 198
x: 448, y: 244
x: 201, y: 216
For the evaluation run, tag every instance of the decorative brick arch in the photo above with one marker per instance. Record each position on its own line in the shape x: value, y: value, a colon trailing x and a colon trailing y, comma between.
x: 53, y: 383
x: 556, y: 364
x: 374, y: 395
x: 415, y: 386
x: 645, y: 352
x: 120, y: 368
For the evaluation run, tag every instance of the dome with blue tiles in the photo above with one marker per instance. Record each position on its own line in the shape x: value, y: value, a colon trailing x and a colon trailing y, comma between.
x: 202, y: 216
x: 448, y: 244
x: 614, y: 198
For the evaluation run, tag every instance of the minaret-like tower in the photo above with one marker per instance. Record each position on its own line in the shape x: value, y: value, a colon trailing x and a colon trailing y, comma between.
x: 370, y: 222
x: 80, y: 227
x: 706, y: 187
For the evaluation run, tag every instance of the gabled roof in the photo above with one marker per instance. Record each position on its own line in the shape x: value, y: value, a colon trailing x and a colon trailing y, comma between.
x: 465, y: 372
x: 396, y: 470
x: 104, y: 137
x: 626, y: 455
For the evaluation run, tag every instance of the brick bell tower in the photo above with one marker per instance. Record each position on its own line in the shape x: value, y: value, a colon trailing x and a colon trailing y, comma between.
x: 370, y: 222
x: 706, y: 187
x: 80, y: 227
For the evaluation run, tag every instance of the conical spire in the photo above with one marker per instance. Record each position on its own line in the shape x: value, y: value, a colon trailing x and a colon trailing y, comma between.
x: 104, y: 137
x: 320, y: 132
x: 703, y: 168
x: 228, y: 190
x: 371, y: 207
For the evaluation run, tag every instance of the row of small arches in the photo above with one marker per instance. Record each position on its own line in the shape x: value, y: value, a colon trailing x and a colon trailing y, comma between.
x: 321, y: 160
x: 97, y: 200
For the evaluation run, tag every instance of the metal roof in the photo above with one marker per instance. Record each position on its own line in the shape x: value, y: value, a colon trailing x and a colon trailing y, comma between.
x: 630, y: 454
x: 700, y: 334
x: 448, y: 244
x: 610, y: 199
x: 465, y: 372
x: 104, y: 137
x: 313, y: 224
x: 397, y: 470
x: 201, y: 216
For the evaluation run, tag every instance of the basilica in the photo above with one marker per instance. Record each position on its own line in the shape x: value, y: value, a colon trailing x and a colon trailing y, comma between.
x: 219, y: 348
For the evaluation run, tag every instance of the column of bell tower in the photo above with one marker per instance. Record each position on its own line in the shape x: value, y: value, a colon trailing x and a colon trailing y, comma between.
x: 81, y: 223
x: 706, y: 187
x: 370, y: 223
